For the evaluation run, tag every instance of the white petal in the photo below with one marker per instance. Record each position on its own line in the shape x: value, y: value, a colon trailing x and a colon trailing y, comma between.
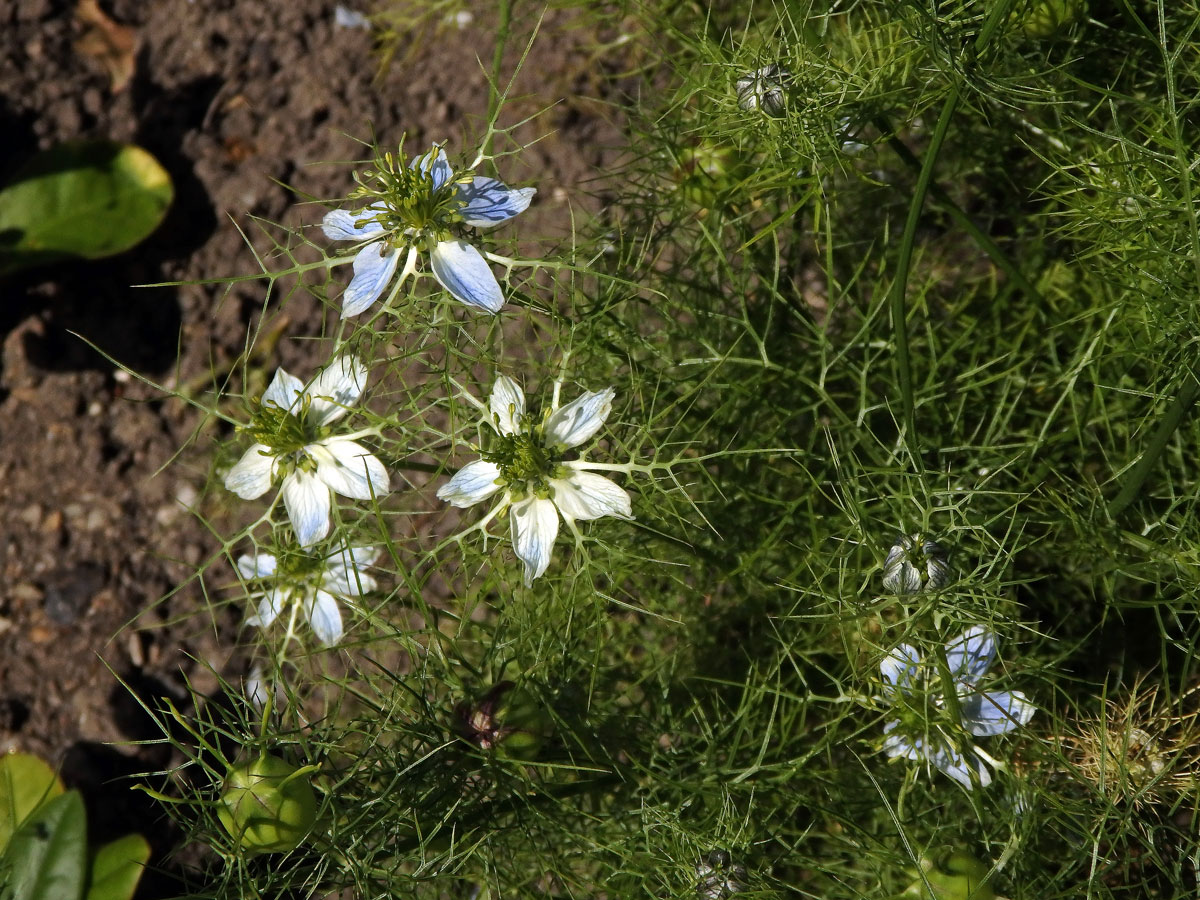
x: 488, y: 202
x: 534, y: 528
x: 251, y: 476
x: 339, y: 385
x: 343, y: 225
x: 269, y: 608
x: 349, y: 468
x: 463, y: 271
x: 261, y: 565
x: 586, y: 495
x: 283, y: 391
x: 475, y: 481
x: 307, y: 500
x: 324, y: 617
x: 507, y: 404
x: 345, y: 574
x: 374, y: 267
x: 574, y: 423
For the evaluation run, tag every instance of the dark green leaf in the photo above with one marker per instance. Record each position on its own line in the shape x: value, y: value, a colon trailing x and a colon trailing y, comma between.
x: 46, y: 858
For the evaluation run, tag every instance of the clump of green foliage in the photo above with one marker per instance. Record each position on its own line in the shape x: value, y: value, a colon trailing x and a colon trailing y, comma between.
x: 941, y: 283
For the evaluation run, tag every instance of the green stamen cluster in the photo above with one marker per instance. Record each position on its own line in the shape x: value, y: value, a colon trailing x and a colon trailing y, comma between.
x: 284, y: 432
x: 524, y: 459
x: 403, y: 200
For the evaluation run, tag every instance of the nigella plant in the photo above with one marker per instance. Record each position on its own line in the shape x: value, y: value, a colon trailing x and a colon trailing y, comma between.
x: 526, y: 462
x: 310, y: 586
x: 940, y: 706
x: 292, y: 439
x: 415, y: 208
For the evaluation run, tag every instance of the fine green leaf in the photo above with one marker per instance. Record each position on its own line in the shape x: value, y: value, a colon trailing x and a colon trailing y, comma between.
x: 81, y: 200
x: 46, y: 858
x: 25, y: 784
x: 117, y: 867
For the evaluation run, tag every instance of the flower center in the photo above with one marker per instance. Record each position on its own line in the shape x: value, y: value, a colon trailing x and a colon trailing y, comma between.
x: 404, y: 200
x: 524, y: 459
x: 287, y: 434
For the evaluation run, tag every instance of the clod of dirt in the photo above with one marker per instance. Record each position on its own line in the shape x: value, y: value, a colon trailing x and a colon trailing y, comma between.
x: 69, y: 594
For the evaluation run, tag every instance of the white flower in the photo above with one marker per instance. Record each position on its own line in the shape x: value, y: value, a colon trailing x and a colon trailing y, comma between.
x: 315, y: 589
x: 538, y: 485
x: 412, y: 209
x: 291, y: 437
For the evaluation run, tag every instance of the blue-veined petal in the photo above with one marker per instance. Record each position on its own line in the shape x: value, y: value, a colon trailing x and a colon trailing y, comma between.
x: 534, y: 529
x: 488, y: 202
x: 349, y: 469
x: 434, y: 163
x: 586, y: 495
x: 306, y: 498
x: 343, y: 225
x: 374, y: 267
x: 339, y: 385
x: 971, y: 653
x: 261, y: 565
x: 324, y: 617
x: 507, y: 405
x: 571, y: 425
x: 995, y: 712
x: 899, y: 668
x: 283, y: 392
x: 475, y: 481
x: 462, y: 270
x: 252, y: 475
x: 960, y: 766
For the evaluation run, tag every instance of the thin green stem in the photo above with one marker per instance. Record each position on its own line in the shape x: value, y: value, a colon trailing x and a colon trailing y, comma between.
x: 502, y: 33
x: 1178, y: 408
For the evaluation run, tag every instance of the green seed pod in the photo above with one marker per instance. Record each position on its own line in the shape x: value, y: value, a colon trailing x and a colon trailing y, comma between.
x: 507, y: 719
x: 765, y: 89
x: 1043, y: 19
x: 268, y: 805
x: 953, y: 875
x: 914, y: 565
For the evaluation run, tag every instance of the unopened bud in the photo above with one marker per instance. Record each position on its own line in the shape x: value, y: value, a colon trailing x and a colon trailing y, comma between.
x: 915, y: 564
x: 765, y: 89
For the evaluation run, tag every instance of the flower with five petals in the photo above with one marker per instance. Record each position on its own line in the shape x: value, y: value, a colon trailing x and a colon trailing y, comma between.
x: 410, y: 209
x: 916, y: 689
x: 312, y: 585
x: 526, y: 463
x: 292, y: 438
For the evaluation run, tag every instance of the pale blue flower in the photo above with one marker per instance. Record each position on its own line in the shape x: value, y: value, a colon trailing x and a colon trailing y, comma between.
x: 907, y: 680
x: 412, y: 210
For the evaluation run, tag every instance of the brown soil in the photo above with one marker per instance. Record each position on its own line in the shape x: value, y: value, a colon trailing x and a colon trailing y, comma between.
x: 234, y: 97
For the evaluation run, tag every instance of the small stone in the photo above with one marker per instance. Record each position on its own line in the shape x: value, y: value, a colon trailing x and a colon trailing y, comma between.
x: 69, y: 594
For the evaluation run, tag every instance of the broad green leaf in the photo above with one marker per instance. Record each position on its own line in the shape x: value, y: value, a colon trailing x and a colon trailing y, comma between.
x: 81, y: 200
x: 25, y: 784
x: 117, y: 868
x: 46, y: 858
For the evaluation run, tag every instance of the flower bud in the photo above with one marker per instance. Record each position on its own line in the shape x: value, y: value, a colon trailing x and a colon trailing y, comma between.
x: 953, y: 875
x: 915, y: 564
x: 765, y: 89
x: 507, y: 719
x: 267, y: 805
x: 719, y: 877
